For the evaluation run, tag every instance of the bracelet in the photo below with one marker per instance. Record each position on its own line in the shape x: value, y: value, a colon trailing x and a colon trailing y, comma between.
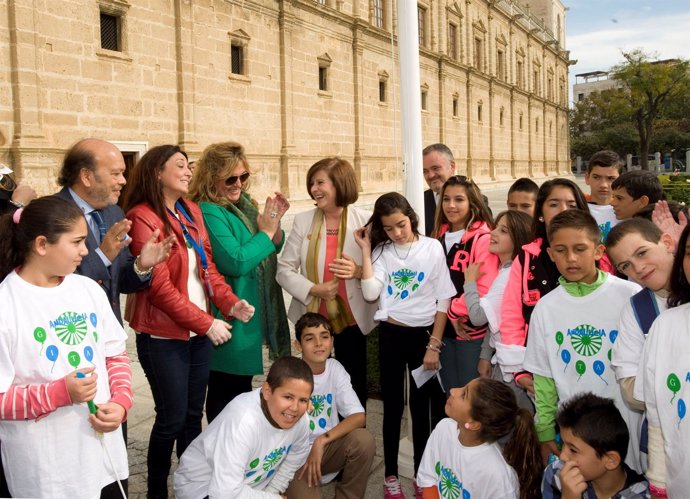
x: 138, y: 271
x: 440, y: 343
x: 433, y: 348
x: 657, y: 491
x: 16, y: 204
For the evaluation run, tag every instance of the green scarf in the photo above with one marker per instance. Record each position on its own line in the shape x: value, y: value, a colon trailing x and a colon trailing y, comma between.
x: 339, y: 313
x: 274, y: 325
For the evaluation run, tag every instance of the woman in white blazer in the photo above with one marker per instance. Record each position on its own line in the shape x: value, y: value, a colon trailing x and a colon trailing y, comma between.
x: 320, y: 265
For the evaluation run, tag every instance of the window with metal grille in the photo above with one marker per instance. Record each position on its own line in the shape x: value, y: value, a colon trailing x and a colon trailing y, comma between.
x: 323, y: 79
x: 110, y: 32
x: 424, y: 100
x: 455, y: 107
x: 382, y: 91
x: 236, y: 59
x: 377, y: 18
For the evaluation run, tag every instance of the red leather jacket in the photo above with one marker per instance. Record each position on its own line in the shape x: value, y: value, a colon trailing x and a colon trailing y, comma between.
x: 164, y: 309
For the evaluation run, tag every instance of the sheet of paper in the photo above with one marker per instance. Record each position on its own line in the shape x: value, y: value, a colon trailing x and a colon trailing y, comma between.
x: 421, y: 375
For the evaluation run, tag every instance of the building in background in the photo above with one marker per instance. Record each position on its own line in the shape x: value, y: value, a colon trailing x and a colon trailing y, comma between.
x: 594, y: 81
x: 293, y: 81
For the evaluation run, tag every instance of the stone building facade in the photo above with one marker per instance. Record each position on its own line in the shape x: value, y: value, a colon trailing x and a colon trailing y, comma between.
x: 293, y: 80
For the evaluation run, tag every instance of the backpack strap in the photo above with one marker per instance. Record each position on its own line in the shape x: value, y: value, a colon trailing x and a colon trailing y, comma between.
x: 645, y: 307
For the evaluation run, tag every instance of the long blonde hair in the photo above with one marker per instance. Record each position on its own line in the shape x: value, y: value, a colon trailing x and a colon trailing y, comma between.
x: 217, y: 161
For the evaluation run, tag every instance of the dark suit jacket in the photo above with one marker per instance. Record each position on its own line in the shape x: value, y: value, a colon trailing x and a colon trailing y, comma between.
x: 429, y: 211
x: 120, y: 276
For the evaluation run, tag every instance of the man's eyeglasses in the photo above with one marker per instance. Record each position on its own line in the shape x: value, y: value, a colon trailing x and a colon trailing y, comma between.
x: 233, y: 180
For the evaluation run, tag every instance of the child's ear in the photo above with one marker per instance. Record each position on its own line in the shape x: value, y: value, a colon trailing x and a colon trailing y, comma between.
x: 265, y: 390
x: 599, y: 251
x: 298, y: 345
x: 611, y: 459
x: 40, y: 245
x: 643, y: 201
x: 669, y: 244
x: 473, y: 425
x: 548, y: 250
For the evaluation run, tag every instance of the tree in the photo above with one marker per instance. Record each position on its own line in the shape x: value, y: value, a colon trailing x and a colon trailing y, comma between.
x: 649, y: 86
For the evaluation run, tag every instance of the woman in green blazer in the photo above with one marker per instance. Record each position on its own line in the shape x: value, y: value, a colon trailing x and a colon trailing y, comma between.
x: 245, y: 243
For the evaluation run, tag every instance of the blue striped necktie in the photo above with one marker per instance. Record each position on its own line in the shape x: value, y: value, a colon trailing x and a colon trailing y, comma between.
x: 98, y: 218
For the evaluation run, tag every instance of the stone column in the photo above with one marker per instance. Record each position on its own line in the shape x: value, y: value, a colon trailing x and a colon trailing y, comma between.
x: 184, y: 60
x: 286, y: 20
x: 358, y: 95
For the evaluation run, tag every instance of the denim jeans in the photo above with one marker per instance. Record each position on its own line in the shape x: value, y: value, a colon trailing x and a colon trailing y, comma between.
x: 177, y: 372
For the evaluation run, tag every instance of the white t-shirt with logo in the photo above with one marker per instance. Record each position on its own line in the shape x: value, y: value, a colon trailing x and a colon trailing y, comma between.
x: 663, y: 383
x: 242, y: 455
x: 605, y: 217
x: 570, y: 340
x: 412, y: 281
x: 333, y: 394
x: 45, y: 334
x: 458, y: 471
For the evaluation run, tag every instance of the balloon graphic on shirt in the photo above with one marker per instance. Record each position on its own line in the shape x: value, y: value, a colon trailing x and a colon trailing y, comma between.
x: 608, y: 354
x: 94, y: 319
x: 322, y: 422
x: 52, y: 354
x: 95, y: 336
x: 613, y: 335
x: 74, y: 359
x: 559, y: 340
x: 88, y: 354
x: 673, y: 384
x: 565, y: 355
x: 681, y: 410
x: 599, y: 369
x: 40, y: 336
x: 580, y: 367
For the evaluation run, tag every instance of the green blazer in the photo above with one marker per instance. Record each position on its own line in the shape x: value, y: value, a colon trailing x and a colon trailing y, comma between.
x: 237, y: 254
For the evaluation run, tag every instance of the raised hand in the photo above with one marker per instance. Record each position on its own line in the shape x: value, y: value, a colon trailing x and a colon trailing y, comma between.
x: 116, y: 239
x: 153, y: 252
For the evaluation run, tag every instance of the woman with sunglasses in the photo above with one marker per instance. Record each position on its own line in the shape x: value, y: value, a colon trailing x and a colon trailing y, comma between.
x: 245, y: 242
x: 321, y: 265
x: 463, y: 225
x: 176, y: 328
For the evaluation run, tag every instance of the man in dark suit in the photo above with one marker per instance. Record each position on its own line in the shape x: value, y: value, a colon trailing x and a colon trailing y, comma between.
x: 438, y: 166
x: 92, y: 176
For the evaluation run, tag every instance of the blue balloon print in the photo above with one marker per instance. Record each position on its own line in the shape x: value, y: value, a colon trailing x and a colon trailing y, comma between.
x: 88, y: 354
x: 250, y: 473
x: 329, y: 398
x: 599, y: 369
x: 613, y: 335
x: 52, y: 354
x: 287, y: 451
x: 270, y: 472
x: 322, y: 423
x: 420, y: 276
x: 565, y: 355
x: 390, y: 290
x: 404, y: 294
x: 94, y: 319
x: 465, y: 494
x: 681, y: 410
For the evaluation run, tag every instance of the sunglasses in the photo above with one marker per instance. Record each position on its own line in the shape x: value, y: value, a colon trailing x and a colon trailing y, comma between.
x: 7, y: 183
x: 233, y: 180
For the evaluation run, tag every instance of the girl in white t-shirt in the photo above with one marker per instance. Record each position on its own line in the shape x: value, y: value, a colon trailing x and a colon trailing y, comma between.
x: 61, y: 346
x: 407, y: 273
x: 663, y: 384
x: 463, y: 458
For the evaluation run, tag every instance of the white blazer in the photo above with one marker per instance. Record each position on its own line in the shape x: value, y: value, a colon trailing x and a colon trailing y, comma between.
x: 292, y: 273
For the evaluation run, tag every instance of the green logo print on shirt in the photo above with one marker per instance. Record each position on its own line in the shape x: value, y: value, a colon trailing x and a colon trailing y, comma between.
x: 586, y: 341
x: 449, y: 487
x: 268, y: 465
x: 673, y: 383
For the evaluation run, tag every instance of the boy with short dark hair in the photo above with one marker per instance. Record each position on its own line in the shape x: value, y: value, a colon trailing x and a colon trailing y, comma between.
x: 573, y: 328
x: 335, y: 445
x: 595, y: 444
x: 603, y: 168
x: 633, y: 191
x: 522, y: 196
x: 639, y: 250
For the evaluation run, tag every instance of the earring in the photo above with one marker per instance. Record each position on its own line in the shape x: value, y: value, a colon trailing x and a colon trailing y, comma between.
x: 541, y: 219
x: 467, y: 426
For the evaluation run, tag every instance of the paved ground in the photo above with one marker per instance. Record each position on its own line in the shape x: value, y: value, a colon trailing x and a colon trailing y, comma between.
x: 142, y: 414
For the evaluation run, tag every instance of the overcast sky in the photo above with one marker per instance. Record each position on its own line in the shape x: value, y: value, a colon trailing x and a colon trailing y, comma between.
x: 598, y: 30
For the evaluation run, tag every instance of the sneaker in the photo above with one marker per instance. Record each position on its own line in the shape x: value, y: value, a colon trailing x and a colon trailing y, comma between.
x: 418, y: 494
x: 391, y: 488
